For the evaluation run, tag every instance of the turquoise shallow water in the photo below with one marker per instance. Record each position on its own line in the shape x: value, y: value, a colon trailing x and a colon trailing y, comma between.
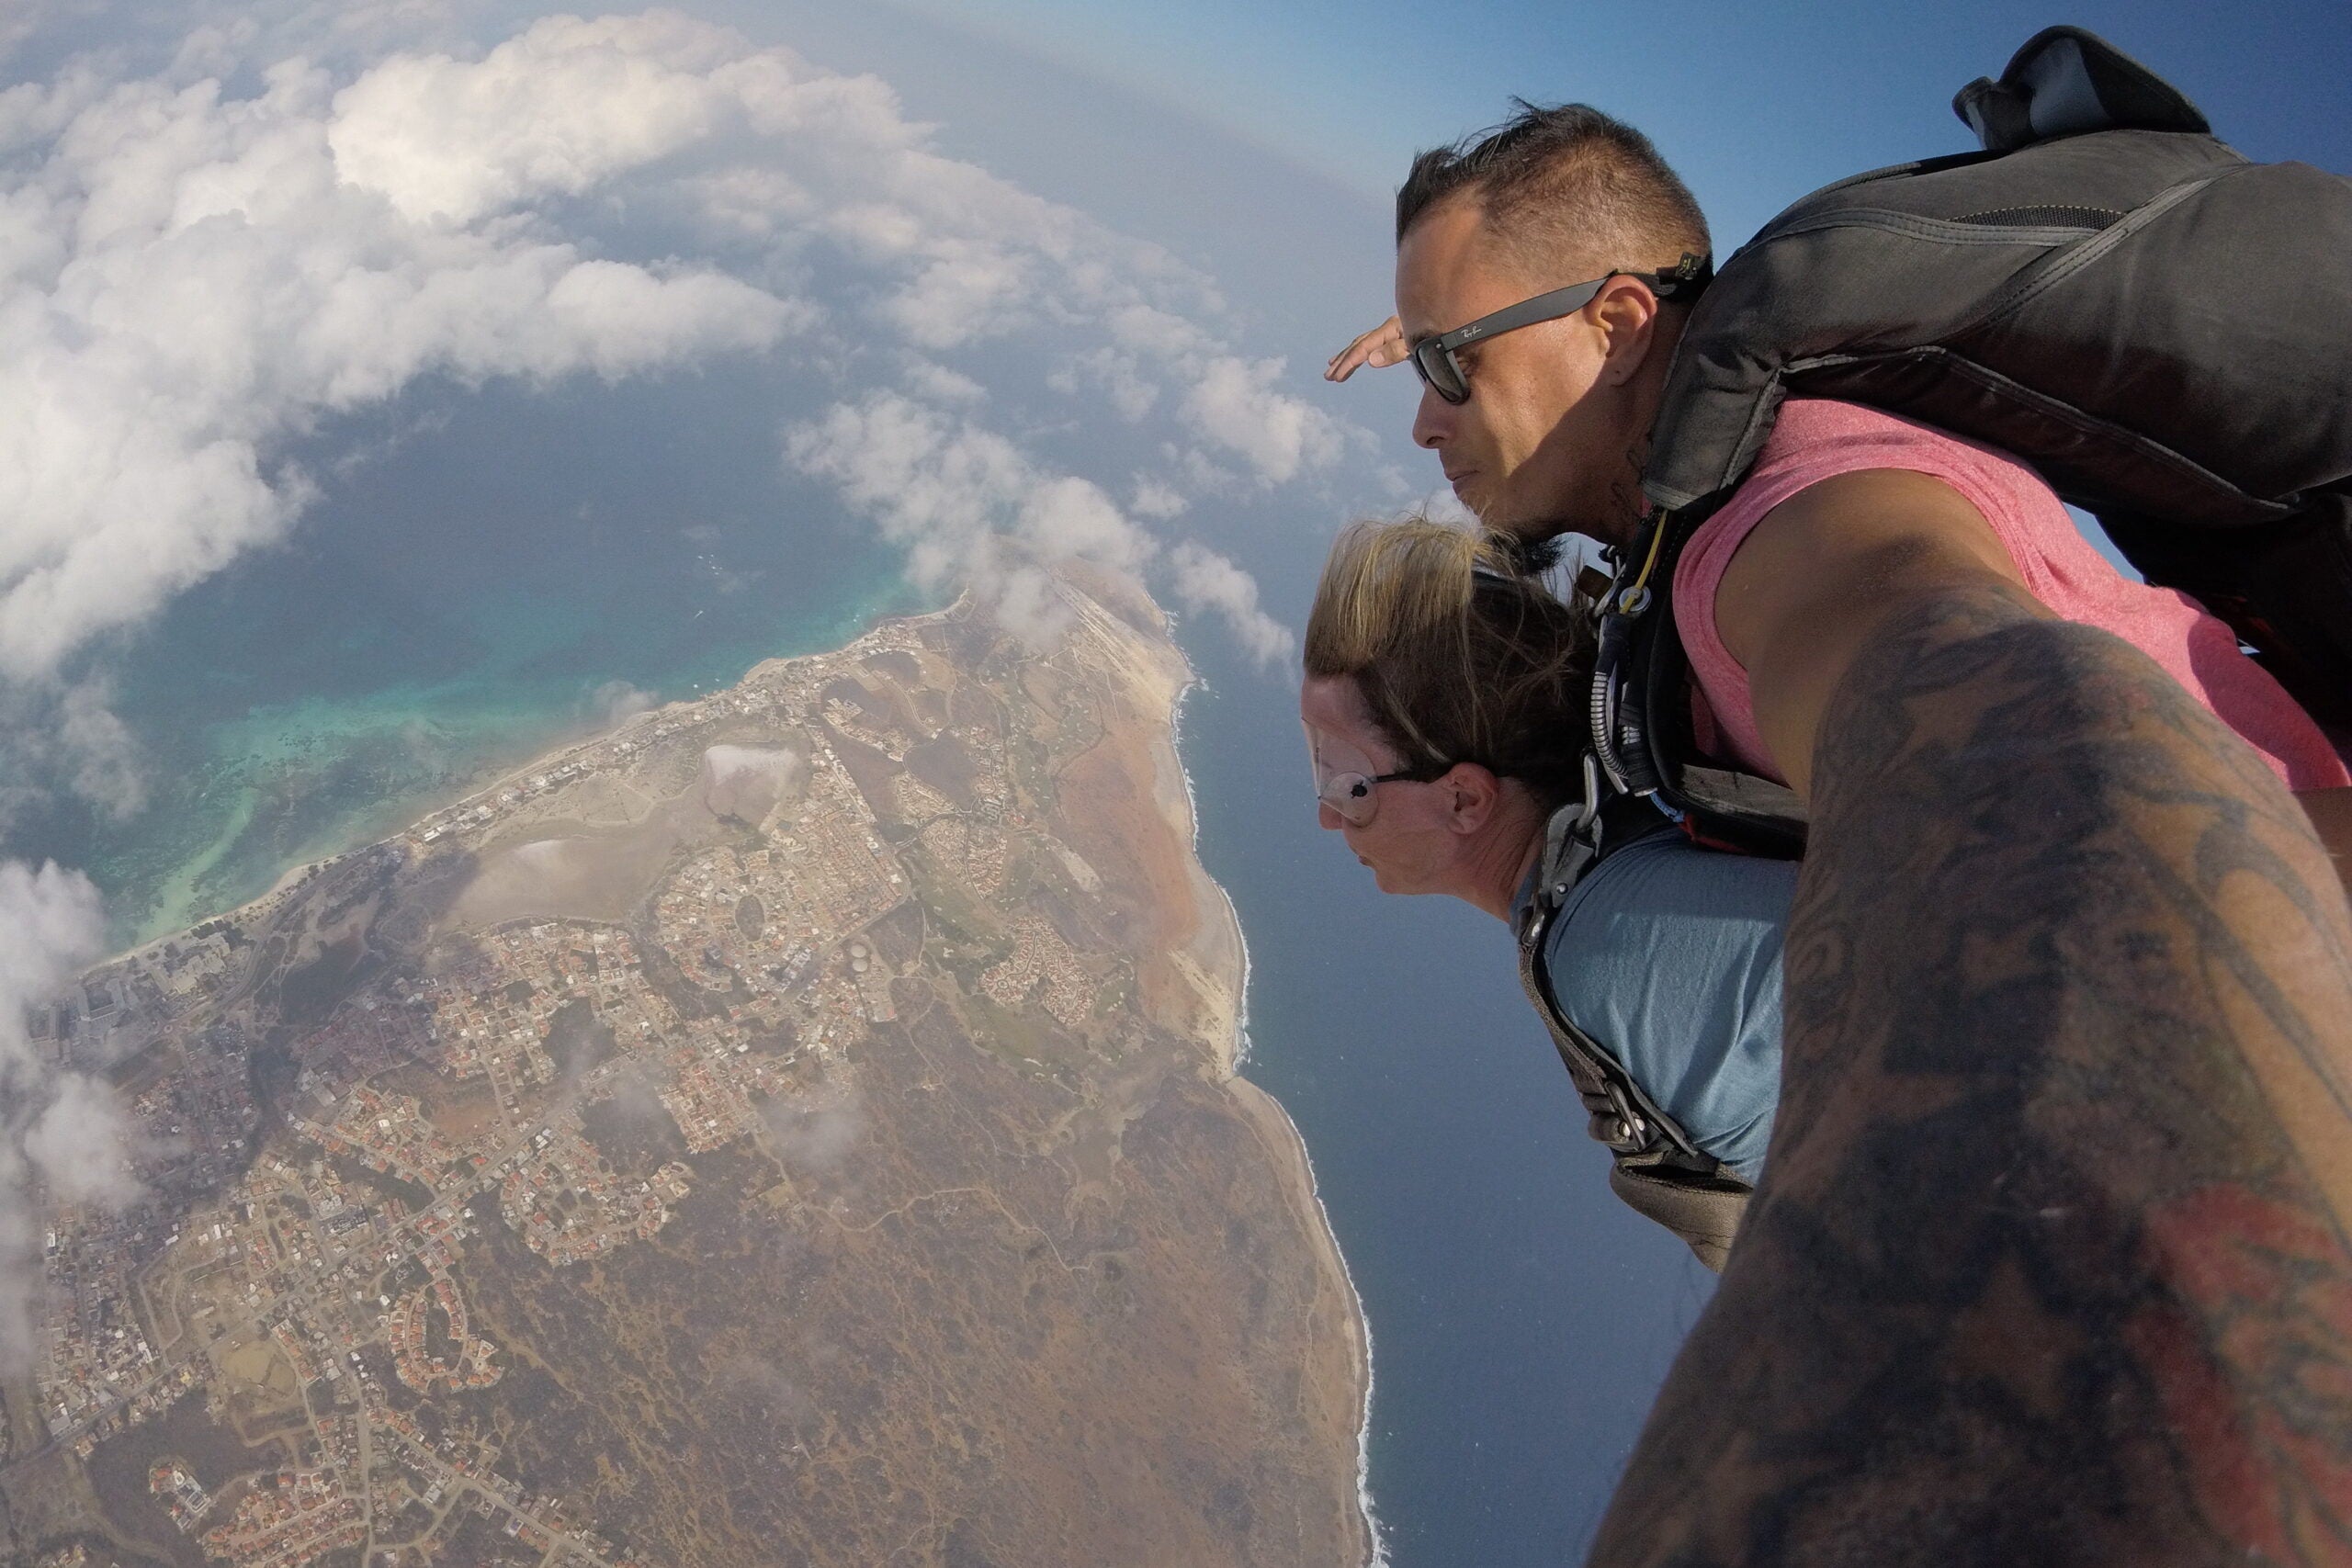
x: 284, y: 783
x: 448, y: 611
x: 239, y: 794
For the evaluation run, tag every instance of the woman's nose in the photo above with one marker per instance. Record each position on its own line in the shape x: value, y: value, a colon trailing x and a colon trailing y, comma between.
x: 1325, y: 817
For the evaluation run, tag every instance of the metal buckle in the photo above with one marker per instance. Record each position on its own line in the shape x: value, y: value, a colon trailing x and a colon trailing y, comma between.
x: 1592, y: 812
x: 1570, y: 845
x: 1633, y: 1127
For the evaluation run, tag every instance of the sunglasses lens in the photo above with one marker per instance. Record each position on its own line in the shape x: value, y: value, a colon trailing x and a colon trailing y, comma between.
x: 1350, y: 794
x: 1438, y: 372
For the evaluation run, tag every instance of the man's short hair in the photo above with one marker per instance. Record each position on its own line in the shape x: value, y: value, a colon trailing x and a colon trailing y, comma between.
x: 1564, y: 189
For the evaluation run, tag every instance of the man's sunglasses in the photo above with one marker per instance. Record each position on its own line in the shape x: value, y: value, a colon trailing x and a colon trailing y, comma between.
x: 1442, y: 374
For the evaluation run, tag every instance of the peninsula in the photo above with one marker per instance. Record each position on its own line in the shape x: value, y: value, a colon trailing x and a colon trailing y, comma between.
x: 801, y: 1125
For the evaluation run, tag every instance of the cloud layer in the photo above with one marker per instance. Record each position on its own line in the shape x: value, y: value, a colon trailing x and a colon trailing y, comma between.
x: 60, y: 1132
x: 188, y: 279
x: 971, y: 508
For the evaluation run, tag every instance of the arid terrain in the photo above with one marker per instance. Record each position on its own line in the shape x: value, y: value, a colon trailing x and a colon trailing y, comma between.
x: 797, y: 1127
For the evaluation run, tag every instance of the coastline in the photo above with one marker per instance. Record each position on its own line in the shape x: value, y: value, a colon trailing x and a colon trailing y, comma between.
x: 1276, y: 1127
x: 1203, y: 950
x: 574, y: 744
x: 352, y: 762
x: 1219, y: 949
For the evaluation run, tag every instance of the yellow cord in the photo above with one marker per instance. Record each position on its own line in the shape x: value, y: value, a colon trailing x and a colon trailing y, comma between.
x: 1657, y: 537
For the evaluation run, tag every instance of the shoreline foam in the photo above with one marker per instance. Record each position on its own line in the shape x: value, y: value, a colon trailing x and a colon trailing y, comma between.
x: 1268, y: 1113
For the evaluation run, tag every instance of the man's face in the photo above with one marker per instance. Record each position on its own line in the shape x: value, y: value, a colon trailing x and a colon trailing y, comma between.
x: 1408, y: 843
x: 1533, y: 448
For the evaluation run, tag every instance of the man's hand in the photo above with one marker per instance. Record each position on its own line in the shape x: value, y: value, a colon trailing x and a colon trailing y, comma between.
x: 1381, y: 347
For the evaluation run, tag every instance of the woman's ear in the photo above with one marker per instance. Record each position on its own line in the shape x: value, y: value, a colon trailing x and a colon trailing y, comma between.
x: 1472, y: 792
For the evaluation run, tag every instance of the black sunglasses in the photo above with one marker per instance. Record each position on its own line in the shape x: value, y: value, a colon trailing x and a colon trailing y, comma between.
x: 1442, y: 374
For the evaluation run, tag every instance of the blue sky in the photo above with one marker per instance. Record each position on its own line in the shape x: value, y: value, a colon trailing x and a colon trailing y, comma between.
x: 1754, y: 103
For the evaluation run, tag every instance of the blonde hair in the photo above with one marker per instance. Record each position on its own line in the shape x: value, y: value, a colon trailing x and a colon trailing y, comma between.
x: 1460, y: 654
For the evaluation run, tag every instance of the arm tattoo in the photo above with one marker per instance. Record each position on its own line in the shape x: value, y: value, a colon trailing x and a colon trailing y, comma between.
x: 2049, y: 1264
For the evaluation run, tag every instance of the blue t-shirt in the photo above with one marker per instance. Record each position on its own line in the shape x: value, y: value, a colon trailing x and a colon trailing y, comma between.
x: 1670, y: 956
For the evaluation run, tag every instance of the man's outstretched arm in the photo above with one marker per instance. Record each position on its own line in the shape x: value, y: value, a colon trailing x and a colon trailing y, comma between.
x: 2049, y: 1262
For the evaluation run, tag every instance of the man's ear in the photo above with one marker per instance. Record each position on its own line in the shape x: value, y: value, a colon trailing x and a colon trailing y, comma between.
x: 1472, y: 793
x: 1626, y: 313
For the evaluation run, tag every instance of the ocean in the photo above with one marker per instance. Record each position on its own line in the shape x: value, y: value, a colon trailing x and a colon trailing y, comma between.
x: 450, y: 612
x: 1520, y: 1317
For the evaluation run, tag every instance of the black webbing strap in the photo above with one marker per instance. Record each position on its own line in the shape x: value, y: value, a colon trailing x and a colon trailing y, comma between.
x: 1641, y: 699
x: 1659, y: 1171
x: 1577, y: 838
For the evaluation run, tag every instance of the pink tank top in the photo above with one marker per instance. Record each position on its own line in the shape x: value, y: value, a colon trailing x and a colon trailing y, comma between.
x: 1816, y: 439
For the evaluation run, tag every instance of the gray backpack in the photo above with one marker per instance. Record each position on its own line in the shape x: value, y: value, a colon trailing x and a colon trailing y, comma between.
x: 2163, y: 329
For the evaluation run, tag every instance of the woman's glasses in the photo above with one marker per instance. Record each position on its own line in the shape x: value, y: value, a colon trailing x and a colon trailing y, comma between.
x: 1345, y: 779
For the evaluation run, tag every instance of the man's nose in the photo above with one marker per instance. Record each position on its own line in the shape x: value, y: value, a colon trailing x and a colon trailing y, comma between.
x: 1325, y: 817
x: 1432, y: 422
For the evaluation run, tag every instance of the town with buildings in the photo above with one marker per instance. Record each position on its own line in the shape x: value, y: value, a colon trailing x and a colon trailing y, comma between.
x: 340, y: 1099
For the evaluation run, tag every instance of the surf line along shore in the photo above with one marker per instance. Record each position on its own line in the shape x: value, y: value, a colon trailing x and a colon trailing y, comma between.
x: 1204, y: 939
x: 873, y: 1016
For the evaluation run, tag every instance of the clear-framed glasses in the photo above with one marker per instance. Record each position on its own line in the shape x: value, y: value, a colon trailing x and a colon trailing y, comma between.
x: 1346, y: 779
x: 1442, y: 374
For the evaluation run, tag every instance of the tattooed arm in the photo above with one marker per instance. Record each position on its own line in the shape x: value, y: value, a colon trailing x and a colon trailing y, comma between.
x: 2049, y: 1262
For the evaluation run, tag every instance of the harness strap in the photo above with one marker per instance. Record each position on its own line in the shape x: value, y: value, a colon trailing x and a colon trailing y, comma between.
x: 1578, y: 838
x: 1659, y: 1171
x: 1640, y: 707
x: 1619, y: 735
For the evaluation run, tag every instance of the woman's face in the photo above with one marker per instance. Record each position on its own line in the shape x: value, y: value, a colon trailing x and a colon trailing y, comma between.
x: 1409, y: 838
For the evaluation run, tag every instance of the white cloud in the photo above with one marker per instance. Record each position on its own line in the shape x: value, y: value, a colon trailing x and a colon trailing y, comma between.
x: 1235, y: 405
x: 80, y: 1144
x: 1208, y: 581
x: 557, y: 110
x: 187, y: 280
x: 968, y: 506
x: 61, y: 1133
x: 1154, y: 498
x: 54, y: 928
x: 101, y: 755
x: 616, y: 702
x: 1118, y: 376
x: 929, y: 378
x: 190, y: 278
x: 815, y: 1130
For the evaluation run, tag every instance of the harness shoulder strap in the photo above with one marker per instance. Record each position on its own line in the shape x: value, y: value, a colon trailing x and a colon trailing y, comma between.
x: 1659, y: 1171
x: 1641, y: 712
